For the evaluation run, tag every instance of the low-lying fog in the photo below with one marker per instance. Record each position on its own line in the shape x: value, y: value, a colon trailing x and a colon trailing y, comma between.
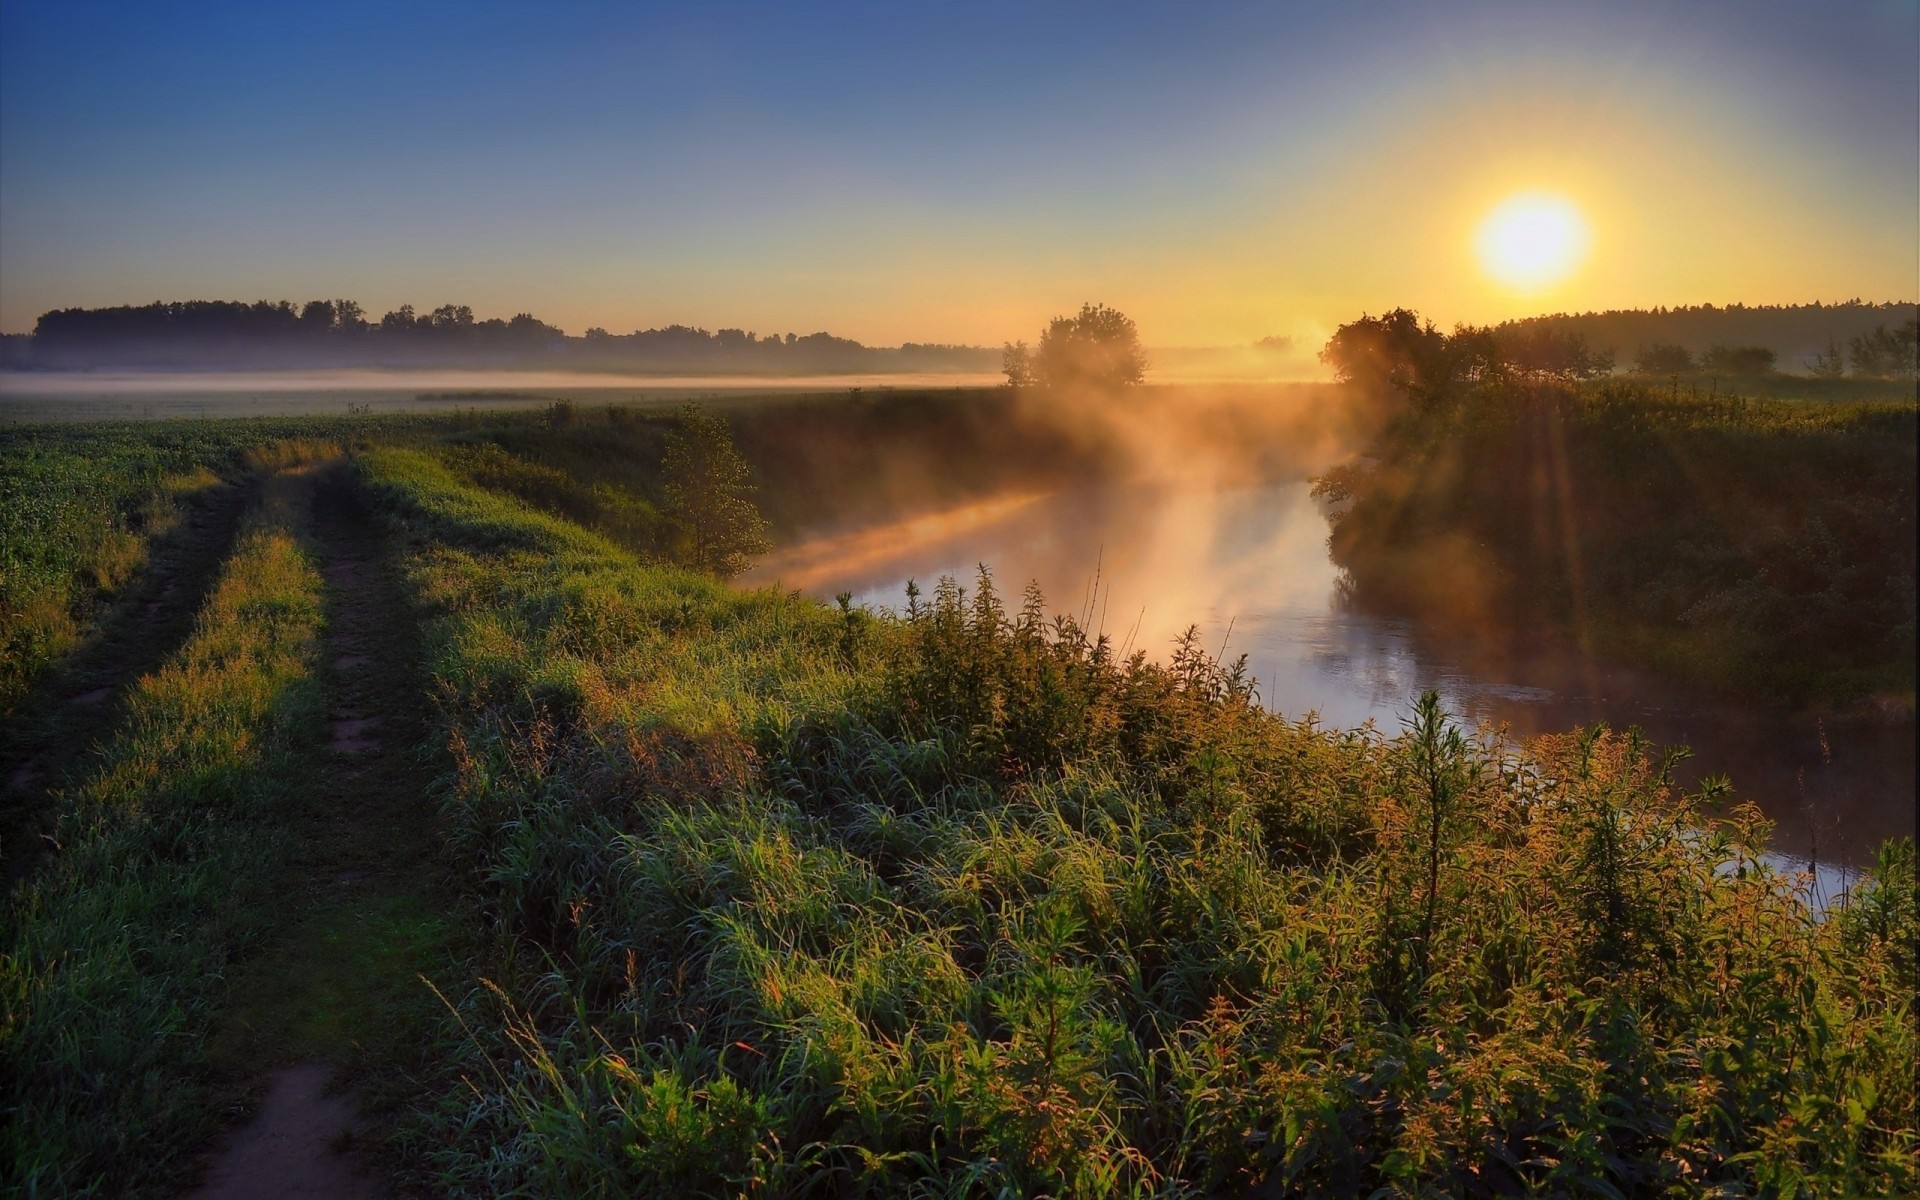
x: 33, y: 396
x: 1174, y: 506
x: 1249, y: 565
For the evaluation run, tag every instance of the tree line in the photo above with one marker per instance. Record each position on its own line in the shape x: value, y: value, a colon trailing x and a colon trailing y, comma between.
x: 1400, y: 352
x: 1874, y: 340
x: 341, y: 331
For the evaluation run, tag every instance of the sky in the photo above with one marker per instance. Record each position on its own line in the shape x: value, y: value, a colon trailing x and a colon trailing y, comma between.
x: 953, y: 173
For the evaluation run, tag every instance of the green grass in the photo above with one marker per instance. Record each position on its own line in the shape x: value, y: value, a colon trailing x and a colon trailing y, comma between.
x: 114, y: 953
x: 788, y: 901
x: 81, y: 504
x: 733, y: 893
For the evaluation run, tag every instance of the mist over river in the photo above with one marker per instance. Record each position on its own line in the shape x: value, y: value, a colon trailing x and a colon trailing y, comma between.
x: 1250, y: 567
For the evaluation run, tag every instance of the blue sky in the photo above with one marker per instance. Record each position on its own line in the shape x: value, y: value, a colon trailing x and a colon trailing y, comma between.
x: 922, y: 172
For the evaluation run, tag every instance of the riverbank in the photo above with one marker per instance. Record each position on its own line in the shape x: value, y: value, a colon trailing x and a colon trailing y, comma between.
x: 1755, y: 546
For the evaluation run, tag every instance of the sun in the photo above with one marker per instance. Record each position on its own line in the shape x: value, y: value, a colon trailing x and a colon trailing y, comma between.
x: 1532, y: 241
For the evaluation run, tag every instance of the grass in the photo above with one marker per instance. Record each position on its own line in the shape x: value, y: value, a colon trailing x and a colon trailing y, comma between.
x: 791, y: 901
x: 115, y: 952
x: 80, y: 506
x: 1753, y: 545
x: 732, y: 893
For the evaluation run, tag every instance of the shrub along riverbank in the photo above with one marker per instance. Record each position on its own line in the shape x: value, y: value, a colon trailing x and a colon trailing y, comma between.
x: 1754, y: 545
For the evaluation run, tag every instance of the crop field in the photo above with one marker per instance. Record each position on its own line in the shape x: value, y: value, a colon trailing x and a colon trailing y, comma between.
x: 591, y: 874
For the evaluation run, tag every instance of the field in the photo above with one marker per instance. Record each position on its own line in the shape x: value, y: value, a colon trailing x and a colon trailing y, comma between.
x: 672, y: 887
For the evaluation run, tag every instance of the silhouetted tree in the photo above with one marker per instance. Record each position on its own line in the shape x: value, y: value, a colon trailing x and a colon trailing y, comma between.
x: 1888, y: 353
x: 317, y: 316
x: 451, y: 317
x: 709, y: 487
x: 1099, y: 348
x: 1830, y: 363
x: 1543, y: 352
x: 1739, y: 360
x: 1663, y: 358
x: 1394, y: 350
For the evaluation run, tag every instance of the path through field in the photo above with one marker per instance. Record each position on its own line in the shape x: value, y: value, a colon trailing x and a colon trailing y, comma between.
x: 337, y: 1007
x: 69, y: 713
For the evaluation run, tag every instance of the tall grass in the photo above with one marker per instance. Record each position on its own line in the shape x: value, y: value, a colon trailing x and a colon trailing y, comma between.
x: 794, y: 901
x: 112, y: 958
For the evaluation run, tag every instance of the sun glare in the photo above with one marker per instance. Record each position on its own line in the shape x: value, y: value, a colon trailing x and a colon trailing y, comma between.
x: 1532, y: 241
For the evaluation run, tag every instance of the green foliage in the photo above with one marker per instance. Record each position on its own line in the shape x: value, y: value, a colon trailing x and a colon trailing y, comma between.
x: 80, y: 504
x: 788, y: 902
x: 1762, y: 545
x: 710, y: 488
x: 785, y: 899
x: 75, y: 516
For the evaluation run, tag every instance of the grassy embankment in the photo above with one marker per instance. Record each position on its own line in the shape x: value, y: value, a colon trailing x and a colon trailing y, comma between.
x: 788, y: 900
x: 1755, y: 545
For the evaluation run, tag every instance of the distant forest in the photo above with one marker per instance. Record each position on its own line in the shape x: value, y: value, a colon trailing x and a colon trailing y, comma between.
x: 338, y: 333
x: 1797, y: 333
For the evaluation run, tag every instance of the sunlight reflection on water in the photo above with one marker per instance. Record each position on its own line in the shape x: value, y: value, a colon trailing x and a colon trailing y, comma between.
x: 1249, y: 566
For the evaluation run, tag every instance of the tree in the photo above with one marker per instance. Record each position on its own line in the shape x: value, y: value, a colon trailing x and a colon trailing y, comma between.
x: 1543, y: 352
x: 1016, y: 363
x: 708, y: 486
x: 1829, y: 363
x: 1663, y: 358
x: 1739, y: 360
x: 1097, y: 349
x: 317, y: 316
x: 451, y: 316
x: 1394, y: 350
x: 1888, y: 353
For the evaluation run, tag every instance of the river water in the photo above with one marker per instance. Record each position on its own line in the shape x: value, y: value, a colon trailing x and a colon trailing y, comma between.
x: 1250, y: 567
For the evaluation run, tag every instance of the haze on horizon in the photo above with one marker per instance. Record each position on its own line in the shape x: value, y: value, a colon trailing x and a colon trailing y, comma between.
x: 1220, y: 174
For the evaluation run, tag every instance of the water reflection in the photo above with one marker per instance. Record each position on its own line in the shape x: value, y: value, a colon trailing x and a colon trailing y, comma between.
x: 1249, y: 566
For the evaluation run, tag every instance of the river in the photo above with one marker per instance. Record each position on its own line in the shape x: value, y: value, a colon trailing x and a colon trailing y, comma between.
x: 1250, y: 567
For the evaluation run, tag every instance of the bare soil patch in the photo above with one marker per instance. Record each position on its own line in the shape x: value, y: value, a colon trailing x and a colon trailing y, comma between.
x: 295, y: 1147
